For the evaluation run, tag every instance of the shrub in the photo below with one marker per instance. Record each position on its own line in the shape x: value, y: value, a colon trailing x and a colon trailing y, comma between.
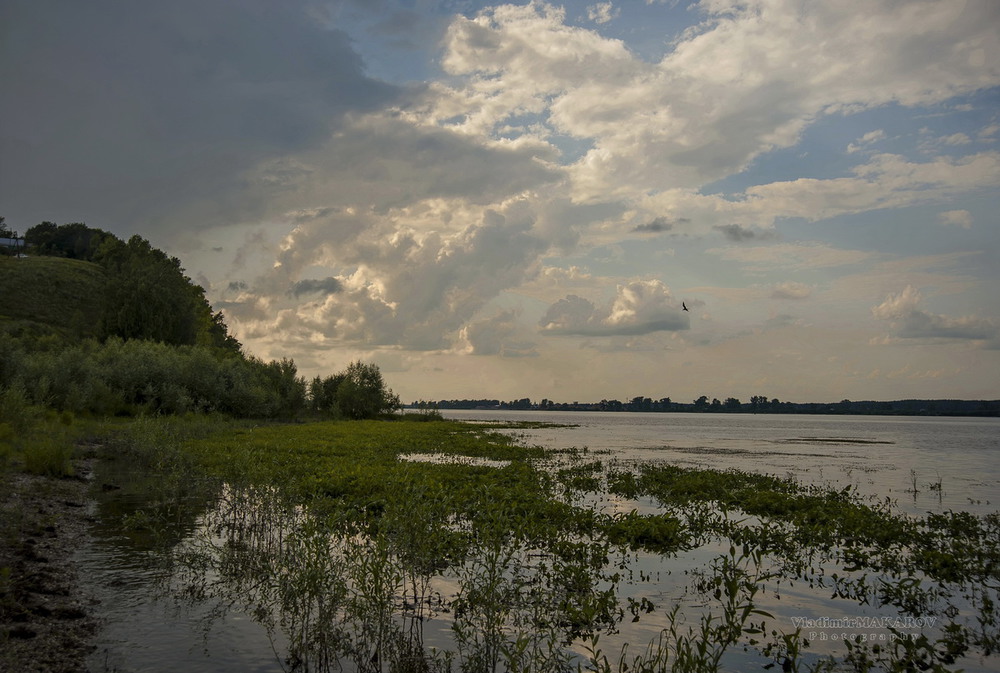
x: 363, y: 393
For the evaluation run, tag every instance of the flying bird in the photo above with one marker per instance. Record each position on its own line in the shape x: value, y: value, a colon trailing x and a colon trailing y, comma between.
x: 684, y: 306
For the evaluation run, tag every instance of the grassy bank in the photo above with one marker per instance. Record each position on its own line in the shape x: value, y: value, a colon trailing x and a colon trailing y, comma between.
x: 48, y: 295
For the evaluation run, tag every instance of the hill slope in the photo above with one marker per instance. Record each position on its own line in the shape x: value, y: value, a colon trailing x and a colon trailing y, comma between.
x: 46, y: 295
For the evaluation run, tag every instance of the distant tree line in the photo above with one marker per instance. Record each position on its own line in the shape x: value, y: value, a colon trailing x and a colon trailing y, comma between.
x: 160, y: 348
x: 732, y: 405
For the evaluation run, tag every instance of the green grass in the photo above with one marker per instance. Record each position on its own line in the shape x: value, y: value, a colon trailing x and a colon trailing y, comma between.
x: 46, y: 295
x: 356, y: 465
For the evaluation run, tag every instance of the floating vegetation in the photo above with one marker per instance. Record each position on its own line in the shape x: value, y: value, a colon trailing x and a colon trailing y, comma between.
x: 719, y: 451
x: 440, y: 458
x: 467, y: 551
x: 834, y: 440
x: 504, y: 424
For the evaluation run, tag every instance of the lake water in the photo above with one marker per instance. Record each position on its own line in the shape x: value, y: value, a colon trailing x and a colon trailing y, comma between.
x: 876, y: 455
x: 954, y: 462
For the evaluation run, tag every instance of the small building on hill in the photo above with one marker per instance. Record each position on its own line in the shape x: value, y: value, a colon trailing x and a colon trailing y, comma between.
x: 12, y: 246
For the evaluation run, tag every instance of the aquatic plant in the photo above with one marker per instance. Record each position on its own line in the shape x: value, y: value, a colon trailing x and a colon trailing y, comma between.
x: 349, y: 554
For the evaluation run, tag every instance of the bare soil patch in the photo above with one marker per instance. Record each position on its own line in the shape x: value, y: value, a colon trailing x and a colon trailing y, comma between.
x: 46, y: 624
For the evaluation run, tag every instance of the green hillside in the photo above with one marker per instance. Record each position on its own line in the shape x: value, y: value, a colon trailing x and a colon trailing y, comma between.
x: 45, y: 295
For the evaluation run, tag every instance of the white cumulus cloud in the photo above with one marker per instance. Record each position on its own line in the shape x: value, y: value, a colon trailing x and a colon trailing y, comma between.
x: 956, y: 218
x: 639, y: 307
x: 909, y: 321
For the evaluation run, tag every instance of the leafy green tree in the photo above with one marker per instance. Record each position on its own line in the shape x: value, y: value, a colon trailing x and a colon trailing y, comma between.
x: 149, y: 297
x: 75, y: 240
x: 363, y: 394
x: 287, y: 389
x: 323, y: 393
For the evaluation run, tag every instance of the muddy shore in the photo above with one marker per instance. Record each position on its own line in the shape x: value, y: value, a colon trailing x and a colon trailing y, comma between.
x: 46, y: 623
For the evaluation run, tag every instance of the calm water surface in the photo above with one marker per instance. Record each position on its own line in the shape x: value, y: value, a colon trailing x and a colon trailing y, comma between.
x: 876, y: 455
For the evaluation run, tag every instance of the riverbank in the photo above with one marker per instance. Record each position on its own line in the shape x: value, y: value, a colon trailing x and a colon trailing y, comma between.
x: 46, y: 623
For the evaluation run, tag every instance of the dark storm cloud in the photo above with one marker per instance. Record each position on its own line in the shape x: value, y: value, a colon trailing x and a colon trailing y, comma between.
x: 917, y: 324
x: 658, y: 225
x: 119, y: 111
x: 740, y: 234
x: 328, y: 285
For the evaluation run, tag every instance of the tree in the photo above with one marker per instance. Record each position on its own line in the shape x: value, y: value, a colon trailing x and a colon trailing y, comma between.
x: 75, y: 240
x: 149, y: 297
x: 363, y: 394
x: 40, y: 236
x: 323, y: 393
x: 288, y: 391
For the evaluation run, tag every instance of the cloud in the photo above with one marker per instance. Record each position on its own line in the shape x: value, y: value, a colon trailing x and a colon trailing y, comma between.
x: 659, y: 225
x: 747, y: 80
x: 956, y: 139
x: 602, y: 12
x: 883, y: 182
x: 791, y: 290
x: 165, y: 105
x: 866, y: 141
x: 640, y: 307
x: 497, y: 336
x: 386, y: 161
x: 989, y: 133
x: 957, y: 218
x: 909, y: 321
x: 740, y: 234
x: 327, y: 285
x: 782, y: 320
x: 399, y: 286
x: 886, y: 181
x: 791, y: 256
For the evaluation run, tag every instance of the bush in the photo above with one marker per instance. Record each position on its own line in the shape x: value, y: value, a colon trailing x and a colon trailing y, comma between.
x: 363, y: 393
x: 135, y: 377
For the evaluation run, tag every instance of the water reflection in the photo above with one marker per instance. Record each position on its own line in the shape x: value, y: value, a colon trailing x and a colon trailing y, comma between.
x: 139, y: 518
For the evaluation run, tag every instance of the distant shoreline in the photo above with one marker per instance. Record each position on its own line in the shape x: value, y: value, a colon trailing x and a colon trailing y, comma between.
x: 940, y: 407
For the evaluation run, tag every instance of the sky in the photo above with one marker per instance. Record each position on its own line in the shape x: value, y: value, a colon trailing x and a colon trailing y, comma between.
x: 518, y: 200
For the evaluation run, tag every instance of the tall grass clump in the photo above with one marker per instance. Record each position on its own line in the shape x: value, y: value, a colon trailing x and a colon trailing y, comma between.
x: 40, y: 441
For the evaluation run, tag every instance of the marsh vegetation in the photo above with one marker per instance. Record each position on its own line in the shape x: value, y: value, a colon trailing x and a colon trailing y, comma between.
x: 441, y: 546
